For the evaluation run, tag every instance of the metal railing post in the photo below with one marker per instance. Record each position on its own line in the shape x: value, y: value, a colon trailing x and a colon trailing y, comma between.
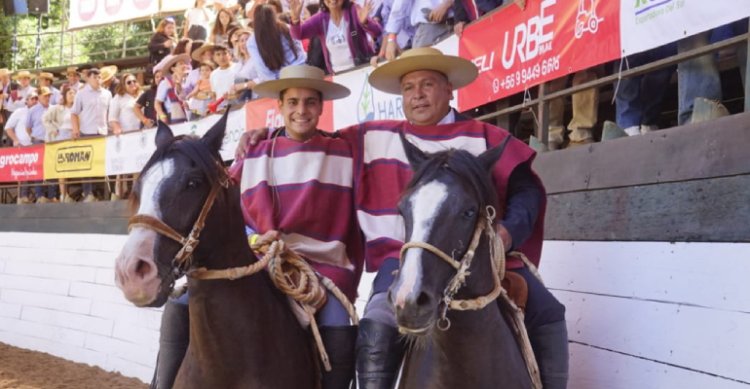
x: 543, y: 112
x: 125, y: 39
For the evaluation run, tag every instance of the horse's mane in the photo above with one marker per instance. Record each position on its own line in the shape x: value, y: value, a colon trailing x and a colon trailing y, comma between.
x: 464, y: 166
x: 192, y: 147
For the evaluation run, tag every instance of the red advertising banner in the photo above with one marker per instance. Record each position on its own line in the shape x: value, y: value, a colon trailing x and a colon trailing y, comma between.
x: 22, y: 163
x: 516, y: 49
x: 264, y: 113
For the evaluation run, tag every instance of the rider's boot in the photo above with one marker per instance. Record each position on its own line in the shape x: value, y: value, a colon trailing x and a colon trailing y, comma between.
x: 339, y: 343
x: 550, y: 344
x: 380, y: 350
x: 173, y: 343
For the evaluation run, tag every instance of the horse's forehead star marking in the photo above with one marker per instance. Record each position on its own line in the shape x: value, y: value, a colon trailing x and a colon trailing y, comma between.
x: 152, y: 184
x: 425, y: 203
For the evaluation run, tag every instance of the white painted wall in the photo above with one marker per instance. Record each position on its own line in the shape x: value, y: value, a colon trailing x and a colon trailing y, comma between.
x: 640, y: 314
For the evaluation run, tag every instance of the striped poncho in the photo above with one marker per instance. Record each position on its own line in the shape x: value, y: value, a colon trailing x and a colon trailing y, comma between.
x: 304, y: 190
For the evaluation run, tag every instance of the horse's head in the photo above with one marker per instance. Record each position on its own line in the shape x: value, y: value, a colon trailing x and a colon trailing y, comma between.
x: 182, y: 174
x: 444, y: 208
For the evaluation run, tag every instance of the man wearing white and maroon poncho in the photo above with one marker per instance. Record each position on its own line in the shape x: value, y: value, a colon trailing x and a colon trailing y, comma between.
x: 297, y: 185
x: 426, y: 79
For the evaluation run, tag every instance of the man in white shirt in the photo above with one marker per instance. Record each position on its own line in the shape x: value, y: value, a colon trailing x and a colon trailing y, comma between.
x: 17, y: 98
x: 15, y: 128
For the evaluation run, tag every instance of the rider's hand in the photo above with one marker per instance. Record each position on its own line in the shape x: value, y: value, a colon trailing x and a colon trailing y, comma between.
x: 505, y: 237
x: 249, y: 138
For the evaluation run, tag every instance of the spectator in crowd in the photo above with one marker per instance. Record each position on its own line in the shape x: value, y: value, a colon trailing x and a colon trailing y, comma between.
x: 146, y: 103
x: 432, y: 20
x: 467, y: 11
x: 4, y: 93
x: 194, y: 74
x: 391, y: 44
x: 272, y: 46
x: 108, y: 78
x: 182, y: 47
x: 57, y: 122
x: 163, y: 40
x: 197, y: 21
x: 342, y: 27
x: 73, y: 78
x: 220, y: 32
x: 222, y: 78
x: 585, y: 105
x: 45, y: 79
x: 17, y: 96
x: 638, y: 99
x: 122, y: 119
x: 202, y: 94
x: 89, y: 116
x: 15, y: 128
x: 37, y: 133
x: 232, y: 41
x: 170, y: 96
x: 243, y: 81
x: 699, y: 77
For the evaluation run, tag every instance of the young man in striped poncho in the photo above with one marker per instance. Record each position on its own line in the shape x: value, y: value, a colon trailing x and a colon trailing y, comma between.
x: 297, y: 186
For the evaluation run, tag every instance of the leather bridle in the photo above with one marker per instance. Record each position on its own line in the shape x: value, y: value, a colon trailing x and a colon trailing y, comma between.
x: 497, y: 253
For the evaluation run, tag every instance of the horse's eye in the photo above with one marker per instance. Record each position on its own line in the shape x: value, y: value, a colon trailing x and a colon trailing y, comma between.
x: 470, y: 213
x: 193, y: 183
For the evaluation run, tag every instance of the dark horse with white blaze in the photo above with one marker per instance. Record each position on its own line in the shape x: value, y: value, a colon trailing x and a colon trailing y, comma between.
x: 448, y: 209
x: 243, y: 333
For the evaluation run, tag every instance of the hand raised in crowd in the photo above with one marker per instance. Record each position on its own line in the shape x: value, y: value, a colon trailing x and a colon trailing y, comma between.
x: 147, y: 123
x: 438, y: 14
x: 295, y: 10
x: 249, y: 138
x: 364, y: 11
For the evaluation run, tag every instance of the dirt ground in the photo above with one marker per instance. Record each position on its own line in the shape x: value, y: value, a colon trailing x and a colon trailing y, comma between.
x: 25, y: 369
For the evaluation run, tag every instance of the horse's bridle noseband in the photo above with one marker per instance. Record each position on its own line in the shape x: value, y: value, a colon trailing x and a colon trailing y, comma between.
x: 497, y: 253
x: 182, y: 259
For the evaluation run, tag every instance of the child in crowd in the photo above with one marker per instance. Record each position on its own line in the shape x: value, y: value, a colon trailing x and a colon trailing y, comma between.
x: 202, y: 94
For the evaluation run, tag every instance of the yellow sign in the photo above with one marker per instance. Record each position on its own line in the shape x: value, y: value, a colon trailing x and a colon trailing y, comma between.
x: 75, y: 158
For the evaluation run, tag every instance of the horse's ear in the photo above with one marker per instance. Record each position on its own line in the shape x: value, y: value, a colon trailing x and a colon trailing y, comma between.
x: 215, y: 136
x: 163, y: 134
x: 413, y: 153
x: 489, y: 157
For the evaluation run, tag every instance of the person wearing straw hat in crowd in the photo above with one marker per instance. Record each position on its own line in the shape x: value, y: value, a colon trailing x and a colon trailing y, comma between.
x: 37, y: 132
x: 45, y: 79
x: 426, y: 78
x: 74, y: 78
x: 170, y: 102
x: 17, y: 96
x: 15, y: 128
x: 109, y: 81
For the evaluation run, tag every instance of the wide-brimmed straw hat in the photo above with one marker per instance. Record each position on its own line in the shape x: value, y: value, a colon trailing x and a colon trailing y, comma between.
x: 302, y: 76
x: 43, y: 91
x: 107, y: 72
x: 46, y: 75
x: 4, y: 72
x: 197, y: 53
x: 165, y: 64
x: 71, y: 70
x: 23, y: 74
x: 459, y: 71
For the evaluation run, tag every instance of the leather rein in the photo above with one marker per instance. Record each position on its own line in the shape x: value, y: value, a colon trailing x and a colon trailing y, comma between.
x: 497, y: 253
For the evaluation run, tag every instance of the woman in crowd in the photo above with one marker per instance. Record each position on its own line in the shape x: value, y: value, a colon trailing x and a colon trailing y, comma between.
x: 244, y: 79
x: 342, y: 27
x: 145, y: 105
x: 272, y: 46
x: 194, y: 74
x: 220, y: 32
x: 170, y: 96
x: 163, y: 40
x: 197, y: 21
x: 122, y: 118
x: 57, y: 123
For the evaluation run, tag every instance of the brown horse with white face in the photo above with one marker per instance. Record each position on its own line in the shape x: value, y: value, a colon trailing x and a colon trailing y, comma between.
x: 448, y: 211
x: 243, y: 333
